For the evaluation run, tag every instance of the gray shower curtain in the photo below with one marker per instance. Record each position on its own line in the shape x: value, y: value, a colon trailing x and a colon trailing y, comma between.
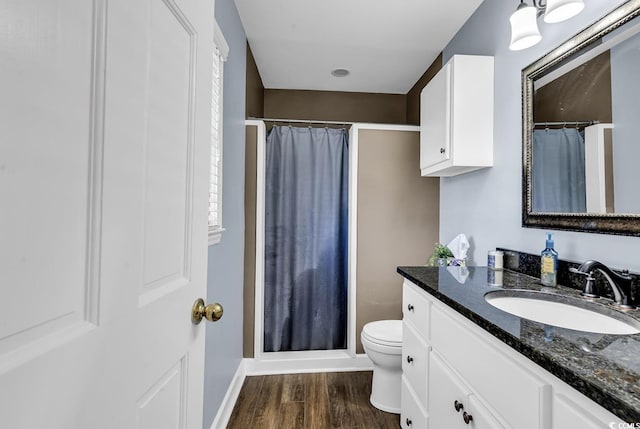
x: 306, y: 200
x: 558, y: 172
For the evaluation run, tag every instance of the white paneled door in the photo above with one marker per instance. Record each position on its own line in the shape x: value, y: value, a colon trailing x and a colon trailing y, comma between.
x: 104, y: 147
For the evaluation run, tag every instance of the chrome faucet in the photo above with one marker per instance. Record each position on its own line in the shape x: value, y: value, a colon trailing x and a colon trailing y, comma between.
x: 620, y: 284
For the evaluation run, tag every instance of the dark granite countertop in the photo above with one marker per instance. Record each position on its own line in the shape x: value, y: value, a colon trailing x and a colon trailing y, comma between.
x: 605, y: 368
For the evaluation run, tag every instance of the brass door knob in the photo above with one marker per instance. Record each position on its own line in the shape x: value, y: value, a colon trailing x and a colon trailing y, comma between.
x: 212, y: 312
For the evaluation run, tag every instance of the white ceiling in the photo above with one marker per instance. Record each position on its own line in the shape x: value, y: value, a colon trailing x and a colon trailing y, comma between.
x: 387, y: 45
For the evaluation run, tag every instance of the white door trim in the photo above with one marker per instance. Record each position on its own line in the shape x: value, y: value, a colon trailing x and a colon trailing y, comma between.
x: 259, y: 275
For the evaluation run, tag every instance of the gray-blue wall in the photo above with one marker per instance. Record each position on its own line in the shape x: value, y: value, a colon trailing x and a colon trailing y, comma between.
x: 486, y: 204
x: 225, y: 272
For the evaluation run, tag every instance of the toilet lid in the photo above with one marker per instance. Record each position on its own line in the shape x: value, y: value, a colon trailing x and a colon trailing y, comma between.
x: 386, y: 332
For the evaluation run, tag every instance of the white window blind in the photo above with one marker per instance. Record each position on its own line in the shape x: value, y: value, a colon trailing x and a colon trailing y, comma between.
x: 215, y: 172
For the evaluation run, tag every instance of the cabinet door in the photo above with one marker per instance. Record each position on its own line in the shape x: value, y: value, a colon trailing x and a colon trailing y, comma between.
x: 415, y: 308
x: 447, y: 396
x: 435, y: 119
x: 412, y: 415
x: 414, y: 361
x: 567, y: 413
x: 451, y: 405
x: 480, y: 417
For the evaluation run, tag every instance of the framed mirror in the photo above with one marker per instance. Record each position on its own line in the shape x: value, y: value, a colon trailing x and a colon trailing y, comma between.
x: 581, y: 130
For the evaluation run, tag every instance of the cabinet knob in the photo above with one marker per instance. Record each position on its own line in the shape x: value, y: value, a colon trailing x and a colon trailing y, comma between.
x: 409, y: 359
x: 441, y: 150
x: 408, y: 421
x: 468, y: 418
x: 410, y: 307
x: 458, y: 406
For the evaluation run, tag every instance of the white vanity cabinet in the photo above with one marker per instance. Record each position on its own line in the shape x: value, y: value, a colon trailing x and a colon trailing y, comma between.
x: 464, y: 369
x: 456, y: 117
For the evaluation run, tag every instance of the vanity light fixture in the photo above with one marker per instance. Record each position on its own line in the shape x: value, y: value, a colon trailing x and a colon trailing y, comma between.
x: 524, y: 21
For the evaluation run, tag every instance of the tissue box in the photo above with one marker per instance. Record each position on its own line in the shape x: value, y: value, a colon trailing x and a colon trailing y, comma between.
x: 459, y: 247
x: 457, y: 262
x: 451, y: 262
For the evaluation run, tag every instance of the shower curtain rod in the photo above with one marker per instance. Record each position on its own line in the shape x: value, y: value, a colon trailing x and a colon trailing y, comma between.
x: 565, y: 123
x: 301, y: 121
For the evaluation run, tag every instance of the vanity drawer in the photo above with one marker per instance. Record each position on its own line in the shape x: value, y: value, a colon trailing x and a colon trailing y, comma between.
x: 524, y: 399
x: 415, y: 355
x: 415, y: 308
x: 412, y: 415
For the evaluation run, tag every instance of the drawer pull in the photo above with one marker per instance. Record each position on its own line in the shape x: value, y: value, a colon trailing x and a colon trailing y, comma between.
x: 409, y: 359
x: 468, y: 418
x: 410, y: 307
x: 441, y: 150
x: 458, y: 406
x: 408, y: 421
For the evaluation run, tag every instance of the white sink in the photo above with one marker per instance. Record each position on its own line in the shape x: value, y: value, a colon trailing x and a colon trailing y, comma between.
x: 563, y: 311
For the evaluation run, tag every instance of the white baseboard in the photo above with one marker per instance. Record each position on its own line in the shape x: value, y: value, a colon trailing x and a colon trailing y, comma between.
x: 230, y: 398
x: 301, y: 365
x: 250, y: 367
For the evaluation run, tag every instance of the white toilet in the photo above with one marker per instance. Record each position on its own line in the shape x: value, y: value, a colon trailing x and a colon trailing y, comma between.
x: 382, y: 341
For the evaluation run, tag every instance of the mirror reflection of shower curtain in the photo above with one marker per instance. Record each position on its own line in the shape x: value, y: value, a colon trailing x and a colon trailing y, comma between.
x: 306, y: 201
x: 558, y: 171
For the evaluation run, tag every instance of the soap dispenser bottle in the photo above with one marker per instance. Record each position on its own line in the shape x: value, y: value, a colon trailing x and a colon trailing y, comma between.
x: 549, y: 264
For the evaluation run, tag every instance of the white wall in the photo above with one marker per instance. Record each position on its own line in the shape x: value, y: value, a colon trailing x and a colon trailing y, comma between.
x: 486, y: 205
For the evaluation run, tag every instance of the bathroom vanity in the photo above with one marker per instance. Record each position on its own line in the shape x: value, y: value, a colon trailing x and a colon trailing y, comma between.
x: 469, y: 364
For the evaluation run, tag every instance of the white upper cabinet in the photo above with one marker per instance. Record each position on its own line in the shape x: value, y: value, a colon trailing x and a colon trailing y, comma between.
x: 456, y: 117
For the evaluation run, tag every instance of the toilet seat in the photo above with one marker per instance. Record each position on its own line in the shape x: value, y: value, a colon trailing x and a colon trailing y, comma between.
x: 384, y: 332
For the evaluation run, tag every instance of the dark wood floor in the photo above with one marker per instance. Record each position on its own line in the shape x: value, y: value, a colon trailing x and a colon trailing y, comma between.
x: 309, y: 401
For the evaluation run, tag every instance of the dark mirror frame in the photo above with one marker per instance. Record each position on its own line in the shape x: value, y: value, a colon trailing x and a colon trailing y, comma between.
x: 608, y: 223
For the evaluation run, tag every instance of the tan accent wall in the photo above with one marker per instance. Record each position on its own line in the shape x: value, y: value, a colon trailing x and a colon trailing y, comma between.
x: 335, y: 106
x: 413, y: 96
x: 250, y: 177
x: 254, y: 107
x: 398, y: 221
x: 571, y: 97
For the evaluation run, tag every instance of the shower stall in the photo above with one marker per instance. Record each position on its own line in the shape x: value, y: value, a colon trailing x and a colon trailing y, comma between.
x: 302, y: 293
x: 330, y: 212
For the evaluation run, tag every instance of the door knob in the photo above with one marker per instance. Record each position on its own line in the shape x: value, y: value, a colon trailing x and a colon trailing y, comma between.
x: 212, y: 312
